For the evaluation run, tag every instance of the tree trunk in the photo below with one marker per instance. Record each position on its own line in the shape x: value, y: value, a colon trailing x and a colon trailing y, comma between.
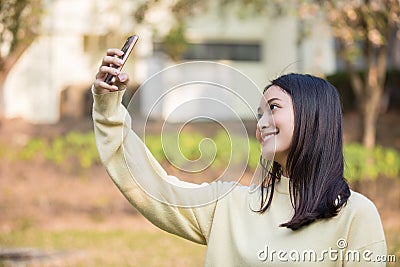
x: 370, y: 113
x: 374, y: 87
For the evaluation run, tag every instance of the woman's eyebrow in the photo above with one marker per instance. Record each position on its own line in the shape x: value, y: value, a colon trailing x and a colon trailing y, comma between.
x: 273, y: 99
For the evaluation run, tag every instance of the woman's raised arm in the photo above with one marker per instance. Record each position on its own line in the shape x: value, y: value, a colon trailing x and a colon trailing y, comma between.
x: 180, y: 208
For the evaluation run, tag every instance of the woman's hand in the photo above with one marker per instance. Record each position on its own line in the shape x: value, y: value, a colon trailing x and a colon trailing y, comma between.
x: 122, y: 79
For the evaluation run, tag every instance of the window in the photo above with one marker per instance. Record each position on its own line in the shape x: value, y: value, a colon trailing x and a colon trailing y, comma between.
x: 220, y: 51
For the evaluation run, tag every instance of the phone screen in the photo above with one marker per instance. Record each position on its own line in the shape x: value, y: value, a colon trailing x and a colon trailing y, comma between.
x: 126, y: 48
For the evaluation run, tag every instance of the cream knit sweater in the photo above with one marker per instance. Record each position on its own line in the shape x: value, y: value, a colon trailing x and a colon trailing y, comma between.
x: 234, y: 234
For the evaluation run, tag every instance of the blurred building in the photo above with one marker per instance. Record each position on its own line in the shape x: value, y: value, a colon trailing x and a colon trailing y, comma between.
x: 52, y: 78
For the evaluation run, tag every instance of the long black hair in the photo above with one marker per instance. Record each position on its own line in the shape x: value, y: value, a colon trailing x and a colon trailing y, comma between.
x: 315, y: 161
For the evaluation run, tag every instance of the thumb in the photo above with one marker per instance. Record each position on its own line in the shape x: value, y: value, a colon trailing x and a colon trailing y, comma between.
x: 123, y: 78
x: 122, y: 81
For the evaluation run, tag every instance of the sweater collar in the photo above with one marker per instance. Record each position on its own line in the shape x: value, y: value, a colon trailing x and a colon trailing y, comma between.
x: 282, y: 186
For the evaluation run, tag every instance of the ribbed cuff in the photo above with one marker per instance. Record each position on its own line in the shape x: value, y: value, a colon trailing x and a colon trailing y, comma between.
x: 108, y: 103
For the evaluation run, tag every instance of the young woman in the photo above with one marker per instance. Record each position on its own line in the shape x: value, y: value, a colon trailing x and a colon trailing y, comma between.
x: 303, y: 213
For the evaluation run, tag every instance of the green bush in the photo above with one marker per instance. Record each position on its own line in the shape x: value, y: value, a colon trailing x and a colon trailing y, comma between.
x: 32, y: 149
x: 67, y: 150
x: 77, y: 149
x: 216, y: 150
x: 363, y: 163
x: 360, y: 163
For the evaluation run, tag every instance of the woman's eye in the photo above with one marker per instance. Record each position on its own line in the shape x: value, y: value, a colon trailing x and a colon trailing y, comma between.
x: 259, y: 116
x: 273, y: 106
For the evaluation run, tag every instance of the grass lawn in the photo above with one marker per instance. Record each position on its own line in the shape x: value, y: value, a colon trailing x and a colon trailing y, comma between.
x: 120, y: 247
x: 109, y: 247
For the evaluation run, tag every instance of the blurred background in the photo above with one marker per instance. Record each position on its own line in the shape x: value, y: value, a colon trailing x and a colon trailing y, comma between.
x: 57, y: 205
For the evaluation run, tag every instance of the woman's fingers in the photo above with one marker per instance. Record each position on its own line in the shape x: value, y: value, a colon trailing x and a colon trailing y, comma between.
x: 101, y: 87
x: 114, y: 52
x: 123, y: 78
x: 104, y: 70
x: 111, y: 60
x: 122, y: 81
x: 108, y: 67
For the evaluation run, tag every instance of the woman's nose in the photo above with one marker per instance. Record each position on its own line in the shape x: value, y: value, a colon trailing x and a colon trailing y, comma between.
x: 263, y: 122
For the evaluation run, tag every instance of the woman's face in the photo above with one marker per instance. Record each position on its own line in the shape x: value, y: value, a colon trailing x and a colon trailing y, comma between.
x: 275, y: 124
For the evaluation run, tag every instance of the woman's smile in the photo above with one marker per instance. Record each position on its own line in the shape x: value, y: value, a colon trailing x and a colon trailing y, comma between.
x: 265, y: 136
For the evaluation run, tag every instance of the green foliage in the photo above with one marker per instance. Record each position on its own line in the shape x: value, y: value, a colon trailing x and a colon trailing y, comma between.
x: 175, y: 43
x: 255, y: 152
x: 77, y: 150
x: 72, y: 150
x: 33, y: 148
x: 223, y: 144
x: 362, y: 163
x: 219, y: 150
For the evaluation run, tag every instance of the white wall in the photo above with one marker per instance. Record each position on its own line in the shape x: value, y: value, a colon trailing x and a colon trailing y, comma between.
x: 281, y: 53
x: 58, y: 58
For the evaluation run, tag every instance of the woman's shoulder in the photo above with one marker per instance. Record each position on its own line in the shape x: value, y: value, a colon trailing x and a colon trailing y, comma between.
x: 358, y: 200
x: 365, y: 229
x: 361, y: 208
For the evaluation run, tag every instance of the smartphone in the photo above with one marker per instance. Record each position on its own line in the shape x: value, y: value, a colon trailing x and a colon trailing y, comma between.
x: 127, y: 48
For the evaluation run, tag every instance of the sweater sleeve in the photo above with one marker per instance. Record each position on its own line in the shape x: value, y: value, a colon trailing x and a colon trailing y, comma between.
x: 177, y: 207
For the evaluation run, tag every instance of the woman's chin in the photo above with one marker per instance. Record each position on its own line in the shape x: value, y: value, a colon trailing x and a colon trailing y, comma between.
x: 268, y: 154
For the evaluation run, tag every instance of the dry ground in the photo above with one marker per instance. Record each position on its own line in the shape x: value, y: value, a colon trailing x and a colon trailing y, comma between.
x: 42, y: 195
